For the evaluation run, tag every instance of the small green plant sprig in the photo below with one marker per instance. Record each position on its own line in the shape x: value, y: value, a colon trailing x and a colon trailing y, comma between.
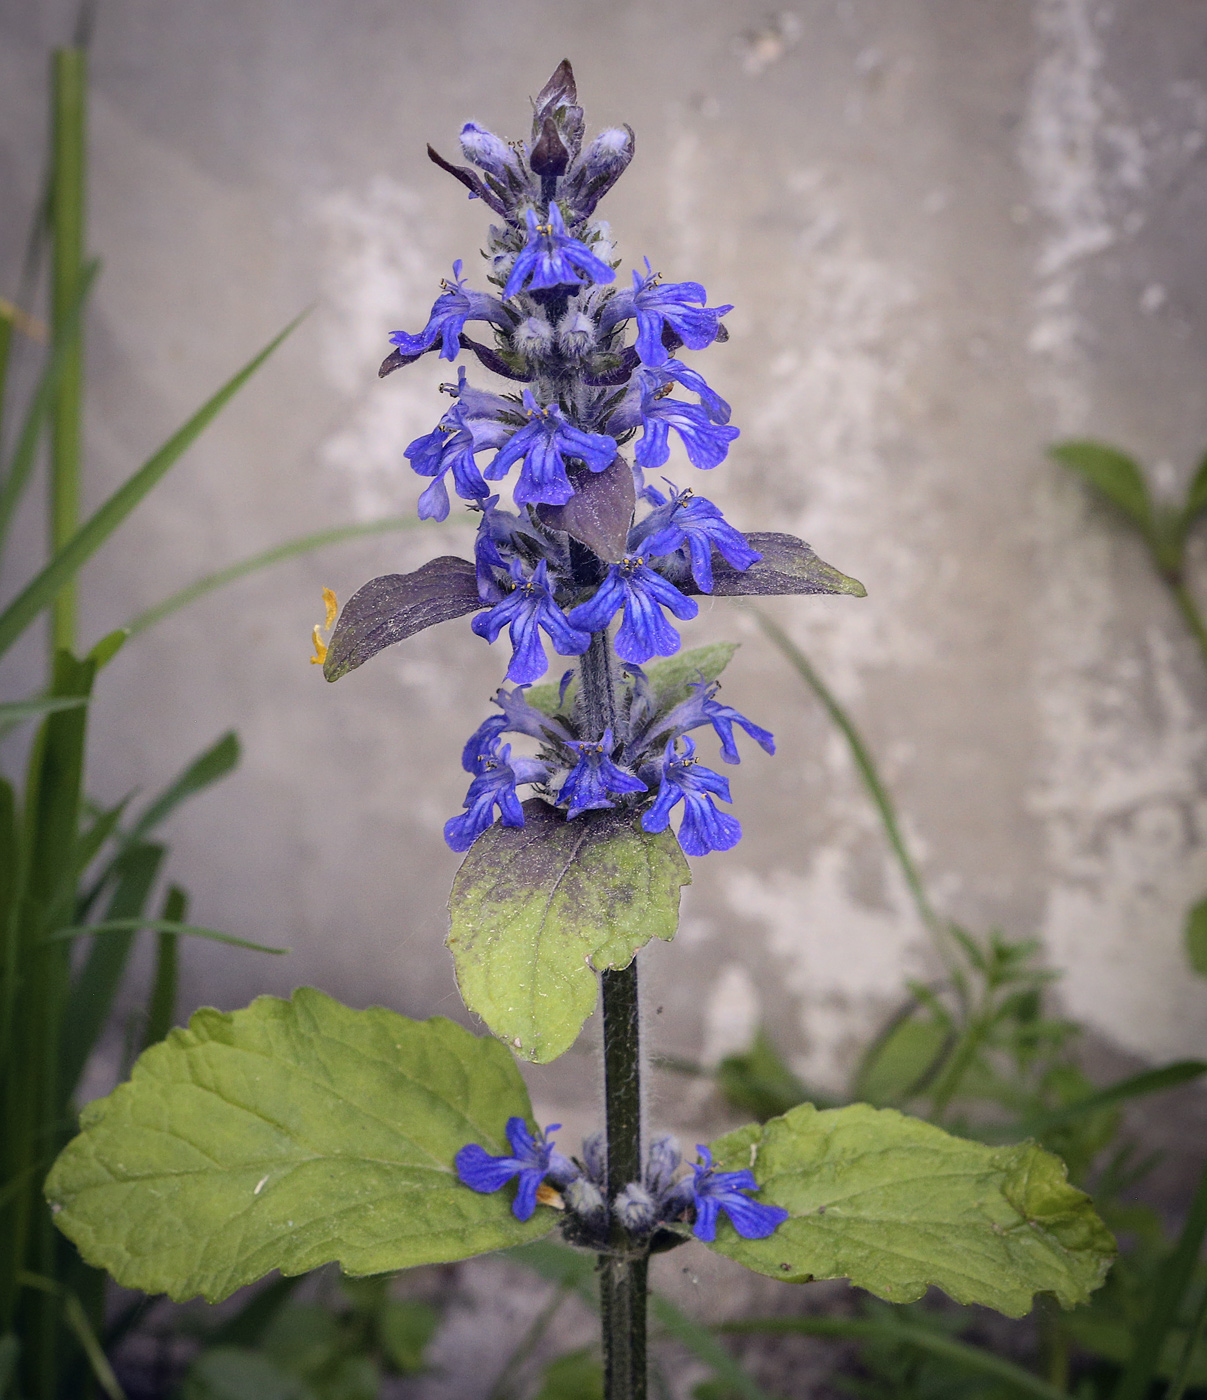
x: 299, y: 1132
x: 1166, y: 529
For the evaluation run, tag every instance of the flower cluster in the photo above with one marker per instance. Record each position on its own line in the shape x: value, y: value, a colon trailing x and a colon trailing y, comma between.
x: 595, y: 366
x: 662, y: 1197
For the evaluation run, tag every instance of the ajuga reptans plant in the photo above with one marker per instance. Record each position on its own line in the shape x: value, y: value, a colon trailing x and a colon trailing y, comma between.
x: 298, y: 1132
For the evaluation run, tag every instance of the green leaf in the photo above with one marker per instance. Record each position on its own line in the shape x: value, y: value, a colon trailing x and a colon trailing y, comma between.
x: 1196, y: 937
x: 788, y: 565
x: 209, y: 767
x: 161, y: 1004
x: 1113, y: 474
x: 304, y: 544
x: 902, y: 1059
x: 896, y: 1205
x: 1196, y: 496
x: 671, y: 680
x: 575, y: 1376
x: 42, y: 589
x: 14, y: 712
x: 235, y: 1373
x: 94, y: 988
x: 108, y: 647
x: 65, y: 935
x: 759, y: 1082
x: 405, y: 1326
x: 288, y: 1135
x: 537, y: 910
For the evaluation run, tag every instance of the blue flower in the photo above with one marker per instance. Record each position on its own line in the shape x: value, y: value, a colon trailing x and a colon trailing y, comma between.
x: 500, y: 531
x: 494, y: 785
x: 707, y: 442
x: 535, y: 1159
x: 702, y: 708
x: 451, y: 445
x: 543, y: 445
x: 449, y: 314
x: 716, y: 1191
x: 657, y: 306
x: 491, y: 154
x: 551, y: 258
x: 644, y: 632
x: 652, y: 378
x: 594, y: 776
x: 685, y: 780
x: 496, y: 776
x: 691, y: 521
x: 526, y: 610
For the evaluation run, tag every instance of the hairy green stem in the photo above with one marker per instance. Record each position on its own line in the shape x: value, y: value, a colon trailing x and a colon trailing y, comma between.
x: 623, y: 1272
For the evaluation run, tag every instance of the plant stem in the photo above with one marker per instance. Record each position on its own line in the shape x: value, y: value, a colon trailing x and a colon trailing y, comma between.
x: 623, y: 1272
x: 1190, y: 611
x: 68, y: 123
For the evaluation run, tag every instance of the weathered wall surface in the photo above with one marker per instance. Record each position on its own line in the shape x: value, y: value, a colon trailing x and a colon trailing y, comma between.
x: 952, y: 232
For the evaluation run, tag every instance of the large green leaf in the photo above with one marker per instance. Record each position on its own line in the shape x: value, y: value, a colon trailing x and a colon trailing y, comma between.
x: 896, y: 1205
x: 285, y: 1136
x: 537, y: 910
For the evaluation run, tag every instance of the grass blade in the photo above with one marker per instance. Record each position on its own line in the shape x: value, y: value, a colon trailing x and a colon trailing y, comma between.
x: 209, y: 767
x: 1173, y: 1281
x: 796, y: 658
x: 14, y: 712
x: 93, y: 990
x: 44, y: 587
x: 1153, y: 1081
x: 68, y: 212
x: 161, y: 1008
x: 897, y: 1330
x: 305, y: 544
x: 160, y: 926
x: 77, y: 1320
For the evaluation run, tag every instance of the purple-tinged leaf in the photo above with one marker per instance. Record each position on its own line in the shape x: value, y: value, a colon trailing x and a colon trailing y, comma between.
x: 549, y: 156
x: 472, y: 181
x: 560, y: 91
x: 600, y: 511
x: 488, y: 357
x: 788, y: 565
x: 396, y: 606
x: 397, y: 358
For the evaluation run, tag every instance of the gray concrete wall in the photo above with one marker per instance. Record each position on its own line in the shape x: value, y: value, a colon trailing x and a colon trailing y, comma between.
x: 952, y: 231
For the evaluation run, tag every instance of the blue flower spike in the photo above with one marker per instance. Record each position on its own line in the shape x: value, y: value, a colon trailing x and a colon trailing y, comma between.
x: 533, y: 1159
x: 717, y: 1191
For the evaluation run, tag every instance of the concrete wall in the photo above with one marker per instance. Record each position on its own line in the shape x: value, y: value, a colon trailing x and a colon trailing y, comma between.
x: 952, y: 232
